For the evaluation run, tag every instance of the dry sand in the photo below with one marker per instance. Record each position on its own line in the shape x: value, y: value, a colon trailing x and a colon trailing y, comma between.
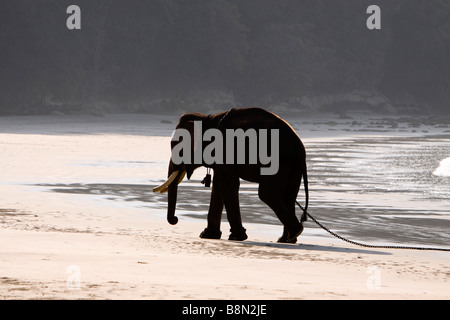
x: 71, y: 246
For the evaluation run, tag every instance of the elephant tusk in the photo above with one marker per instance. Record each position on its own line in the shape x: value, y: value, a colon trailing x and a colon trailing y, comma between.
x: 164, y: 190
x: 181, y: 177
x: 179, y: 181
x: 167, y: 183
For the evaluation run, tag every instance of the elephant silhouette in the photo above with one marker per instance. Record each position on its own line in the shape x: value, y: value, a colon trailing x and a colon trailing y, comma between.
x: 277, y: 188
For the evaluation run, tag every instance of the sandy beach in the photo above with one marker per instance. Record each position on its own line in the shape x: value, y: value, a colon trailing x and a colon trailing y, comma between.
x: 90, y: 244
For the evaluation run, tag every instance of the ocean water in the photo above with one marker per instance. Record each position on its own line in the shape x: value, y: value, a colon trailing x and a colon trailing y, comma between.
x: 385, y: 189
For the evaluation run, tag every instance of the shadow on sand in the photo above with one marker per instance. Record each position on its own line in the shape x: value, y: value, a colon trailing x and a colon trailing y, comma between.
x: 312, y: 247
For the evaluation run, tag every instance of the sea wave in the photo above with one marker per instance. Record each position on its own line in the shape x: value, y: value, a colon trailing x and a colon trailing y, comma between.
x: 443, y: 170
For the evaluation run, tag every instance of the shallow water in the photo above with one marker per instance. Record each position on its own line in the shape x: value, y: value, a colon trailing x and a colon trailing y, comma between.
x: 370, y: 188
x: 382, y: 188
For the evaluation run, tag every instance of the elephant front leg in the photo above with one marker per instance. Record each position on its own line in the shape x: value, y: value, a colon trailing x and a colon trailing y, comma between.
x: 212, y: 231
x: 230, y: 195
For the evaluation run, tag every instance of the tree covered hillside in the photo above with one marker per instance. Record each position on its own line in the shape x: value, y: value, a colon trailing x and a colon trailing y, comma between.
x: 150, y: 56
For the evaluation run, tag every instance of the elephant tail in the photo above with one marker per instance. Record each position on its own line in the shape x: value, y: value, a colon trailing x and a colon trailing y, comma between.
x: 305, y: 182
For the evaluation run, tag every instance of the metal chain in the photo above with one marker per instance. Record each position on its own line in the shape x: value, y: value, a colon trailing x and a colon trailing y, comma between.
x: 364, y: 244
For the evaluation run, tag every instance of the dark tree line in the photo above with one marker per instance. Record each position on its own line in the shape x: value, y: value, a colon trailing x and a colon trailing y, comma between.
x: 141, y: 56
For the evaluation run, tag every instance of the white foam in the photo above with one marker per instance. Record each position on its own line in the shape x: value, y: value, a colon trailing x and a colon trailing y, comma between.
x: 443, y: 170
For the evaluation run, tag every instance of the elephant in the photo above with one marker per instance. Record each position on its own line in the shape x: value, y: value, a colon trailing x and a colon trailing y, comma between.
x: 278, y: 190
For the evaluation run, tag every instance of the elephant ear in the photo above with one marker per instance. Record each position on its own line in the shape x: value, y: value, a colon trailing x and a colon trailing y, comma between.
x: 197, y: 139
x: 195, y: 116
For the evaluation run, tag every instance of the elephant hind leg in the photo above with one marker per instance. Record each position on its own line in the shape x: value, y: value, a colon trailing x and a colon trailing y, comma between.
x: 275, y: 197
x: 290, y: 194
x: 286, y: 237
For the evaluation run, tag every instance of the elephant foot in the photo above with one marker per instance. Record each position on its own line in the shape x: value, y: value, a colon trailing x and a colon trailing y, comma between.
x: 238, y: 235
x: 210, y: 234
x: 290, y: 237
x: 283, y: 239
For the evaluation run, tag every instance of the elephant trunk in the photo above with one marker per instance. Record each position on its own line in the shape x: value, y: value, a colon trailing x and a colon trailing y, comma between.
x: 171, y: 186
x: 172, y: 201
x: 172, y: 189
